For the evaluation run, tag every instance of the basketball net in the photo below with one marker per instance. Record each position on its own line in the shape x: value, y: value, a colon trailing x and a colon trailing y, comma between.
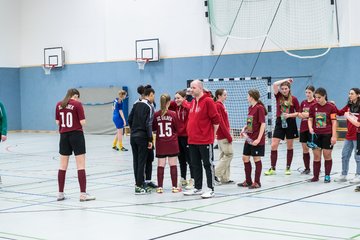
x: 47, y: 68
x: 141, y: 62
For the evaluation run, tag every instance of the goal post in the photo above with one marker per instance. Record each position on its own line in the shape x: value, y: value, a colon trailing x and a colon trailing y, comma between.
x: 236, y: 104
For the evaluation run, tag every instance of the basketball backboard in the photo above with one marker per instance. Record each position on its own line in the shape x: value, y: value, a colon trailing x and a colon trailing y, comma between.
x: 148, y: 49
x: 54, y: 56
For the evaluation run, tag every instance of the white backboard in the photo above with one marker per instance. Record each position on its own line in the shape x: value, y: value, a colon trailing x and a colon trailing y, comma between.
x: 54, y: 56
x: 148, y: 48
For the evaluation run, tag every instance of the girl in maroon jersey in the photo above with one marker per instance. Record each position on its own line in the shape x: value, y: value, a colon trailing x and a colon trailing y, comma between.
x: 352, y: 107
x: 322, y: 123
x: 224, y: 139
x: 355, y: 120
x: 70, y: 118
x: 167, y: 147
x: 287, y: 107
x: 255, y: 139
x: 182, y: 113
x: 305, y: 136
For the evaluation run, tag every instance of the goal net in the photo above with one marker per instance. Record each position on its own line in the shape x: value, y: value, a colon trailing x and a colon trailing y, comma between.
x: 237, y: 104
x: 293, y: 24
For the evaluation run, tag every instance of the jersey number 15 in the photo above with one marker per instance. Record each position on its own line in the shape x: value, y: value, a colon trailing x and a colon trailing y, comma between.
x: 168, y: 130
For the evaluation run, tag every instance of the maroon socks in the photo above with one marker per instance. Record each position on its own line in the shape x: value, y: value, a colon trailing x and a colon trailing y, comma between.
x: 173, y: 173
x: 160, y: 176
x: 61, y: 179
x: 258, y: 169
x: 306, y: 157
x: 82, y: 180
x: 328, y: 166
x: 273, y: 158
x: 289, y: 157
x: 247, y: 166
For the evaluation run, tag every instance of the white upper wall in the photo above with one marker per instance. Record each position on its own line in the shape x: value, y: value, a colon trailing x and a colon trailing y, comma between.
x: 354, y: 22
x: 10, y: 34
x: 106, y: 30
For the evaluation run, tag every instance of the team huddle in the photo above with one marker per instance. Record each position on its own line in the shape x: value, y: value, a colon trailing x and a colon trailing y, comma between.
x: 185, y: 130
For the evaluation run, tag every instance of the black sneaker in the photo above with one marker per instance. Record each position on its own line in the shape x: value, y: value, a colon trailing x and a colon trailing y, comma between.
x: 115, y: 148
x: 151, y: 185
x: 306, y: 172
x: 124, y: 149
x: 229, y: 182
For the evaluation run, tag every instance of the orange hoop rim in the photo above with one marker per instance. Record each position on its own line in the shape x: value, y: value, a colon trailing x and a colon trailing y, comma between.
x: 140, y: 60
x: 49, y: 65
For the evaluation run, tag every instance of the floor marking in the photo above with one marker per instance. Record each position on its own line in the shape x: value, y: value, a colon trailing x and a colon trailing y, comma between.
x: 251, y: 212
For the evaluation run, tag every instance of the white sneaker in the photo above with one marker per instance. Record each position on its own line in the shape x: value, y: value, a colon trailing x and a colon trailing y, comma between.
x: 86, y: 197
x: 356, y: 179
x: 341, y: 178
x: 190, y: 184
x: 193, y: 192
x: 209, y: 194
x: 61, y: 196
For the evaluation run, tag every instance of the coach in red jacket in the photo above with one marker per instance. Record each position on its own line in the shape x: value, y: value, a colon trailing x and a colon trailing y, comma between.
x: 203, y: 122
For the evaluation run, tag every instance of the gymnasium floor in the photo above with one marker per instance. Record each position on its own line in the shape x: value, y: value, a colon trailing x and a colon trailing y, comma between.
x: 286, y: 207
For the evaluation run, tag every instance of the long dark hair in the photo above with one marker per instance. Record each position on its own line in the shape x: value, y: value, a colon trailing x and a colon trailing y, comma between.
x: 322, y: 92
x: 70, y: 93
x: 355, y: 106
x: 255, y: 94
x: 217, y: 93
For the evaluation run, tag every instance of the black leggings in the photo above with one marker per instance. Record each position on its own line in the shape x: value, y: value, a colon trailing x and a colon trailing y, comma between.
x: 184, y: 157
x: 140, y: 155
x: 148, y: 164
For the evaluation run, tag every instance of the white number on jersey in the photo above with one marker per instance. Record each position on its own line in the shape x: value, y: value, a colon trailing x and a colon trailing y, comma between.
x: 69, y: 119
x: 168, y: 130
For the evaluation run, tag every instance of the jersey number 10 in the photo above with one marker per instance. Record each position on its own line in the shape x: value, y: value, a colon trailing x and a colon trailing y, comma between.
x: 69, y: 119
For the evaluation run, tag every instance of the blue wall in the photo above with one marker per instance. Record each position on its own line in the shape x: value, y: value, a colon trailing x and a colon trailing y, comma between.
x: 10, y: 96
x: 337, y: 72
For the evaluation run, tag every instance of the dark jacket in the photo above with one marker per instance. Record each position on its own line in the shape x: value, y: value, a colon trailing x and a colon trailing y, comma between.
x: 140, y: 120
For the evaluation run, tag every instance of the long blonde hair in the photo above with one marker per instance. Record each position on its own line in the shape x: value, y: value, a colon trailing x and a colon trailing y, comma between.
x: 282, y: 98
x: 164, y: 99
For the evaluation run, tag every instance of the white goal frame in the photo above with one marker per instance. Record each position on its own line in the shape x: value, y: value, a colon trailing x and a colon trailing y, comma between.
x: 267, y: 99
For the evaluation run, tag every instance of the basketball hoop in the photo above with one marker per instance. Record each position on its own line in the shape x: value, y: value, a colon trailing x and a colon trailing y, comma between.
x: 141, y: 62
x: 47, y: 68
